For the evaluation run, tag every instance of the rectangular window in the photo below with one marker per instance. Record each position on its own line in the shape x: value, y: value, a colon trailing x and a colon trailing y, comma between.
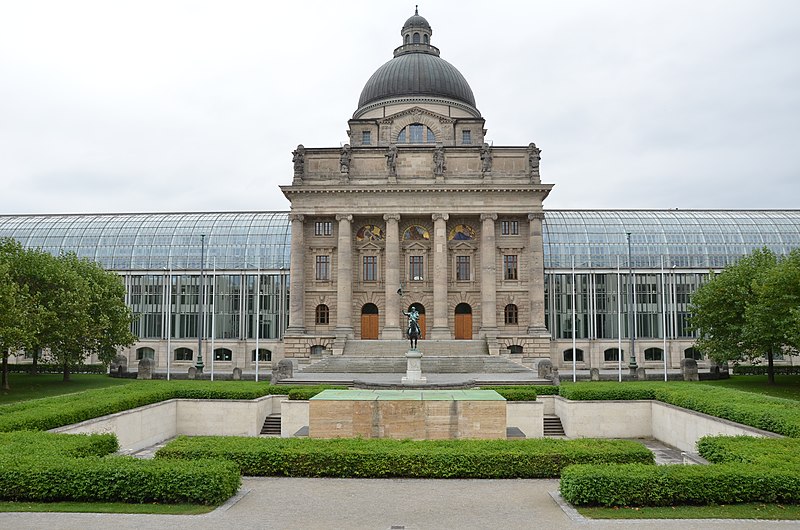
x: 510, y: 267
x: 415, y: 271
x: 366, y: 138
x: 323, y: 269
x: 509, y: 228
x: 370, y: 269
x: 466, y: 137
x: 462, y: 268
x: 323, y: 228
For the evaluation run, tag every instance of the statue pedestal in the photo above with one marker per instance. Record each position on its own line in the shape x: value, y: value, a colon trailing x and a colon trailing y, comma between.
x: 413, y: 369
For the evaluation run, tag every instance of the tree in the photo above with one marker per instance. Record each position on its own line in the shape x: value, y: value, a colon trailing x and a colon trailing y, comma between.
x: 750, y: 310
x: 17, y: 323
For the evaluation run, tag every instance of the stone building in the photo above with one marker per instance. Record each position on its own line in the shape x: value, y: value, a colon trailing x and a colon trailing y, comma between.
x: 417, y: 203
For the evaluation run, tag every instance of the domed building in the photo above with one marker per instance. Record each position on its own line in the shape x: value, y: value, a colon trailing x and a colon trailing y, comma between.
x: 418, y: 210
x: 417, y: 204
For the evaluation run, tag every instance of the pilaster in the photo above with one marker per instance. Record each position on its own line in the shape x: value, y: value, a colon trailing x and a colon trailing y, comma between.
x: 440, y: 330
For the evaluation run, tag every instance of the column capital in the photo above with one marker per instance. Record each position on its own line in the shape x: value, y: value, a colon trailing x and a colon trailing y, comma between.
x: 344, y: 217
x: 391, y: 217
x: 296, y: 217
x: 537, y: 215
x: 442, y: 216
x: 488, y: 217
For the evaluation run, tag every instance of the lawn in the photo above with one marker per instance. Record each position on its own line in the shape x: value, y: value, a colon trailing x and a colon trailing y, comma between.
x: 731, y: 511
x: 25, y: 387
x: 786, y: 386
x: 105, y: 507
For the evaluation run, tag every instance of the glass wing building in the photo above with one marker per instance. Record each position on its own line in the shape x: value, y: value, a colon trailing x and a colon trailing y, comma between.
x: 244, y: 279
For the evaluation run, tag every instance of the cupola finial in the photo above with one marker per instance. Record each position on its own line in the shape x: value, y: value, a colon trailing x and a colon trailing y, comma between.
x: 416, y: 9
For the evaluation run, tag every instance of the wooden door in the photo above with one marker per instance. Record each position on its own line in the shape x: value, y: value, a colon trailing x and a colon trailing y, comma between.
x: 369, y: 327
x: 463, y: 326
x: 422, y: 326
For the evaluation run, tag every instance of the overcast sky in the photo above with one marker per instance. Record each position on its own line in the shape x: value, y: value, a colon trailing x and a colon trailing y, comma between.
x: 159, y: 106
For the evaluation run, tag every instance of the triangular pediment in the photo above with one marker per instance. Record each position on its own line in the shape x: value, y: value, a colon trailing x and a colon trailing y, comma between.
x: 416, y: 245
x: 463, y: 245
x: 369, y: 246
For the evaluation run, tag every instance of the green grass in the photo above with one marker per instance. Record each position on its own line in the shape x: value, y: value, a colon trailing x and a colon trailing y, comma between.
x: 731, y: 511
x: 786, y: 386
x: 25, y: 387
x: 105, y: 507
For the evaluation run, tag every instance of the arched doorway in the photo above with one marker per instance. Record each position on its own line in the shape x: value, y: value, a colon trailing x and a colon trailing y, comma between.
x: 369, y: 322
x: 421, y: 311
x: 463, y: 322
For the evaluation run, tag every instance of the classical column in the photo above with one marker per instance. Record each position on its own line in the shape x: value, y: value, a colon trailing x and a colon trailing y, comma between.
x: 344, y: 278
x: 297, y: 285
x: 536, y: 325
x: 440, y: 330
x: 391, y: 317
x: 488, y: 276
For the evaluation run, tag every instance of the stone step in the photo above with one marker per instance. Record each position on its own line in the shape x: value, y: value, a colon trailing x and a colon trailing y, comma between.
x: 398, y: 348
x: 272, y: 425
x: 552, y: 425
x: 430, y: 364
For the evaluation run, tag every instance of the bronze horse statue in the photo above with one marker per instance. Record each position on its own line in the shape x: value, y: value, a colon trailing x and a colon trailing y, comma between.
x: 413, y: 333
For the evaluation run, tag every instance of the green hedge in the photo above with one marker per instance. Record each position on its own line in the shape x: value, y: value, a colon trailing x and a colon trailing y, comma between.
x: 772, y: 414
x: 116, y: 479
x: 379, y: 458
x: 639, y: 485
x: 57, y: 369
x: 303, y: 393
x: 45, y: 444
x: 771, y: 453
x: 762, y: 370
x: 48, y: 413
x: 515, y: 393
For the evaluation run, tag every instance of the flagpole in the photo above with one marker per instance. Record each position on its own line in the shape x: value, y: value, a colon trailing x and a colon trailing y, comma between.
x: 574, y: 354
x: 213, y: 313
x: 619, y: 321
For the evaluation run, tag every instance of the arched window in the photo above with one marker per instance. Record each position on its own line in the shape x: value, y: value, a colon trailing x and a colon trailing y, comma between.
x: 408, y: 39
x: 145, y: 353
x: 611, y: 354
x: 515, y: 348
x: 369, y: 309
x: 183, y: 354
x: 578, y: 355
x: 463, y: 309
x: 416, y: 38
x: 222, y: 354
x: 322, y: 315
x: 511, y: 314
x: 416, y: 133
x: 317, y: 350
x: 654, y: 354
x: 263, y: 355
x: 425, y: 38
x: 692, y: 353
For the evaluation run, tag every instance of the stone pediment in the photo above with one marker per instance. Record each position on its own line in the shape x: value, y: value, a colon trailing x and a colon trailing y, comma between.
x: 417, y: 114
x: 370, y: 246
x: 463, y: 245
x: 416, y: 245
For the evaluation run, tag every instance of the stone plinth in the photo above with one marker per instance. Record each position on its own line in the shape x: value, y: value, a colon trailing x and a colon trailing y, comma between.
x: 413, y: 369
x: 402, y: 414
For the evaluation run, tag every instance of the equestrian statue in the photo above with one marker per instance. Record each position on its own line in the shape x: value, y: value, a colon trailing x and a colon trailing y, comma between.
x: 413, y: 330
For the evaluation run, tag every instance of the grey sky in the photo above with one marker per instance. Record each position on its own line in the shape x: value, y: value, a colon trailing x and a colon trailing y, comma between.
x: 113, y: 106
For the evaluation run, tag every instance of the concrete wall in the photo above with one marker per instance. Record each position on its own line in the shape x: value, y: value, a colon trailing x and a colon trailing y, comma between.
x: 294, y: 416
x: 528, y: 416
x: 682, y: 428
x: 146, y: 426
x: 604, y: 419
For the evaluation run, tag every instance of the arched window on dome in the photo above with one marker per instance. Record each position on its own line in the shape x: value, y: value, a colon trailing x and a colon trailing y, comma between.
x: 425, y: 38
x: 416, y: 133
x: 408, y: 39
x: 416, y: 38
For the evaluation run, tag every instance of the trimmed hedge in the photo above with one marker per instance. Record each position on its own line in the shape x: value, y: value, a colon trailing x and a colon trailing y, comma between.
x: 380, y: 458
x: 49, y: 413
x: 772, y: 414
x: 116, y: 479
x: 41, y: 444
x: 57, y: 369
x: 304, y: 393
x: 515, y: 393
x: 762, y: 370
x: 771, y: 453
x: 638, y: 485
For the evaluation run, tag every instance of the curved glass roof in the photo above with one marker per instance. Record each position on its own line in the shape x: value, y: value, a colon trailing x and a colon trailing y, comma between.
x: 682, y: 238
x: 697, y: 239
x: 233, y: 240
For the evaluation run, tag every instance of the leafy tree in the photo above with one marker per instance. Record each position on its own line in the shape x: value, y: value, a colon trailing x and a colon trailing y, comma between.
x: 751, y: 310
x: 17, y: 322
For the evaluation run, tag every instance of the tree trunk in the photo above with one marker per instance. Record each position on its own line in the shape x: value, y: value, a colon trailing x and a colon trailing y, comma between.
x: 4, y: 377
x: 35, y: 363
x: 770, y: 369
x: 66, y: 372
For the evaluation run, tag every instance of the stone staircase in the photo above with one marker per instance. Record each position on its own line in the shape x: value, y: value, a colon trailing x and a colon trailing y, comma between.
x: 552, y: 425
x: 432, y: 348
x: 272, y: 425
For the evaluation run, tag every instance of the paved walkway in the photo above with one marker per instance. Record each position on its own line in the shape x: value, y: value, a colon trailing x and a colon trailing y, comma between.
x: 306, y: 503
